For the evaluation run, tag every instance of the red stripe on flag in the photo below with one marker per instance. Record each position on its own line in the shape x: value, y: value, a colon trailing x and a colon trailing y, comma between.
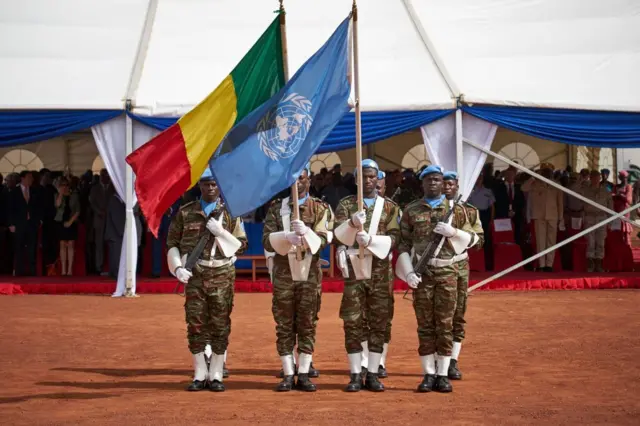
x: 163, y: 174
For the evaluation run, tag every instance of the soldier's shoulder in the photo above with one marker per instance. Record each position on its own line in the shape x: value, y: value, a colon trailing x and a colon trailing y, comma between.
x: 349, y: 199
x: 319, y: 202
x: 188, y: 206
x: 413, y: 205
x: 390, y: 201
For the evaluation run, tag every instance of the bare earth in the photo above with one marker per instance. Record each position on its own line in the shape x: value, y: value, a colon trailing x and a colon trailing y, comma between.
x: 530, y: 358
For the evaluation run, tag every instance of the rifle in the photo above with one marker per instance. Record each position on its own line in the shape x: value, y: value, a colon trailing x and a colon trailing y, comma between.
x: 395, y: 194
x: 195, y: 254
x: 420, y: 266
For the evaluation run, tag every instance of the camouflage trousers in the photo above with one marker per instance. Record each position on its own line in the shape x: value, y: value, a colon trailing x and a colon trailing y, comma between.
x: 365, y: 310
x: 595, y: 238
x: 434, y: 302
x: 295, y: 307
x: 461, y: 302
x: 387, y: 331
x: 208, y: 305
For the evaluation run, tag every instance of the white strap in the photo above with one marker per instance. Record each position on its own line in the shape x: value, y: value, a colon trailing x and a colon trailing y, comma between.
x: 285, y: 212
x: 437, y: 252
x: 375, y: 217
x: 215, y: 246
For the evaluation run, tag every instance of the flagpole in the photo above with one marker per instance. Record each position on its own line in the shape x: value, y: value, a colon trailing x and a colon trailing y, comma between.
x: 285, y: 66
x: 356, y: 83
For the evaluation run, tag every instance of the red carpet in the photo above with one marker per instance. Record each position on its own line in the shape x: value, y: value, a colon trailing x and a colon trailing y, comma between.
x: 521, y: 281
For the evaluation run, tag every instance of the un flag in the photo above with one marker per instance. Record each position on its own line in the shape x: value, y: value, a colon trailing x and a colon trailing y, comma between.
x: 266, y: 152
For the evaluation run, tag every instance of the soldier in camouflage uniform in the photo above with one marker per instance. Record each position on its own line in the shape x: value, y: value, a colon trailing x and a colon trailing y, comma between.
x: 592, y: 215
x: 366, y: 290
x: 295, y: 297
x: 209, y: 287
x: 435, y: 293
x: 451, y: 188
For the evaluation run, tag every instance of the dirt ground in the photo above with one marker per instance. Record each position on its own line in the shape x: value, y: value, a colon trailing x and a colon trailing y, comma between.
x: 530, y: 358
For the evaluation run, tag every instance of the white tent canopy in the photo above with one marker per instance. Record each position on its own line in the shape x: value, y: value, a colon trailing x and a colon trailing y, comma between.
x: 81, y: 53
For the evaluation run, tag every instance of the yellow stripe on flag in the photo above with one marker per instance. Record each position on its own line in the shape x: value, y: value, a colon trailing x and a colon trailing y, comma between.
x: 204, y: 126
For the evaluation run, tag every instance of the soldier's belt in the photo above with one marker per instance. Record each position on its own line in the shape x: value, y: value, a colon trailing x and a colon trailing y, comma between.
x: 214, y: 263
x: 441, y: 263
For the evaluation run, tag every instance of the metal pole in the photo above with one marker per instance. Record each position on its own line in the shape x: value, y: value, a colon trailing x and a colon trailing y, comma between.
x: 433, y: 53
x: 130, y: 238
x: 356, y: 83
x: 459, y: 147
x: 555, y: 247
x: 545, y: 180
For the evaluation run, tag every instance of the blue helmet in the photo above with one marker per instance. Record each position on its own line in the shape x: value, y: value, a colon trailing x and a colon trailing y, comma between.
x: 368, y: 164
x: 433, y: 168
x: 207, y: 175
x: 450, y: 175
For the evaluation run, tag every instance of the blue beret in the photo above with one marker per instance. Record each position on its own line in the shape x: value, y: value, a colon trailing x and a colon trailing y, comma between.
x: 381, y: 175
x: 606, y: 171
x: 431, y: 169
x: 367, y: 164
x: 207, y: 175
x: 450, y: 176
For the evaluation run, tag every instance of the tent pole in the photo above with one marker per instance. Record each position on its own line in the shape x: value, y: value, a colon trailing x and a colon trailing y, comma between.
x: 459, y: 146
x: 545, y: 180
x: 437, y: 60
x: 130, y: 237
x: 141, y: 52
x: 555, y: 247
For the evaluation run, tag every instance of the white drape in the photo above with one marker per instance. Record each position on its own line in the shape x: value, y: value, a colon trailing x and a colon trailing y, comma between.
x: 110, y: 138
x: 440, y: 141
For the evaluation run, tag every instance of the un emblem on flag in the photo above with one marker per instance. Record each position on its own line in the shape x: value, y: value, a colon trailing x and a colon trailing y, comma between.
x: 283, y: 129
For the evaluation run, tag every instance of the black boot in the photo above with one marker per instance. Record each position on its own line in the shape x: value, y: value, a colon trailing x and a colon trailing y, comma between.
x: 197, y: 385
x: 454, y: 373
x: 313, y: 373
x: 428, y: 383
x: 363, y: 374
x: 442, y: 384
x: 304, y: 384
x: 286, y: 384
x: 373, y: 384
x: 355, y: 384
x: 382, y: 372
x: 216, y: 386
x: 225, y: 372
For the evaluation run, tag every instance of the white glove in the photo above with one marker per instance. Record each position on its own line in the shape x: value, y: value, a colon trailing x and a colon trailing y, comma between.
x: 215, y: 227
x: 359, y: 219
x: 299, y: 227
x: 445, y: 229
x: 294, y: 238
x: 561, y: 225
x: 183, y: 275
x: 233, y: 260
x: 363, y: 238
x: 413, y: 280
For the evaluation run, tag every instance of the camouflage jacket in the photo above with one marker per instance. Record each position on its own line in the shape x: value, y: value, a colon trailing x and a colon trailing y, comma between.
x: 600, y: 195
x: 389, y: 220
x: 190, y: 223
x: 419, y: 220
x: 316, y: 214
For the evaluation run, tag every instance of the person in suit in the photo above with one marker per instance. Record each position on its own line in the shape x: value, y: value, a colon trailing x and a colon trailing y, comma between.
x: 546, y: 205
x: 483, y: 198
x: 48, y: 195
x: 24, y: 221
x: 99, y: 198
x: 511, y: 203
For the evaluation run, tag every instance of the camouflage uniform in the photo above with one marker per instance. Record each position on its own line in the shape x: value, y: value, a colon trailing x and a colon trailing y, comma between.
x: 209, y: 293
x: 368, y: 297
x: 434, y: 300
x: 473, y: 219
x: 295, y: 305
x: 593, y: 215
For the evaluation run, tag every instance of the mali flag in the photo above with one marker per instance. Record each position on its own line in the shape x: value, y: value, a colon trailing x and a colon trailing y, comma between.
x: 172, y: 162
